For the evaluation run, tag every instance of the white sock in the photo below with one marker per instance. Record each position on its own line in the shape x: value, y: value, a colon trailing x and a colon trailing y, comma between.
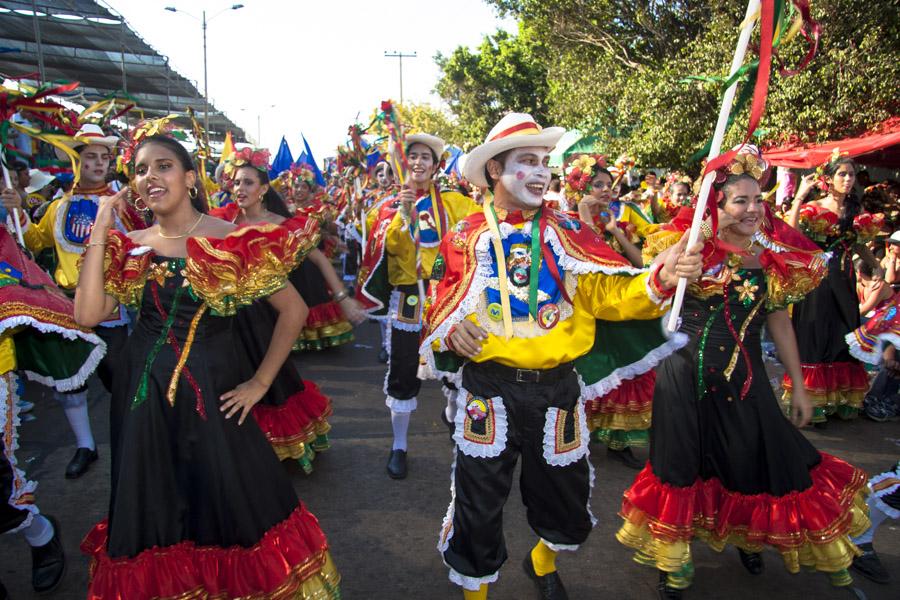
x: 450, y: 409
x: 876, y: 516
x: 39, y: 533
x: 400, y: 425
x: 385, y: 336
x: 81, y: 426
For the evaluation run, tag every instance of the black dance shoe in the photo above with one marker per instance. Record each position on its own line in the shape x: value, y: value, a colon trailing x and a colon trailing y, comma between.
x: 383, y: 356
x: 664, y: 591
x: 48, y: 562
x: 80, y: 463
x: 550, y: 586
x: 869, y: 565
x: 626, y: 457
x: 396, y: 466
x: 752, y: 561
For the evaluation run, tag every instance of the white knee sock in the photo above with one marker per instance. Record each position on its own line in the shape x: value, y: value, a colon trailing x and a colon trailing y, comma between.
x: 39, y: 533
x: 400, y: 425
x: 876, y: 516
x: 450, y: 409
x: 81, y: 426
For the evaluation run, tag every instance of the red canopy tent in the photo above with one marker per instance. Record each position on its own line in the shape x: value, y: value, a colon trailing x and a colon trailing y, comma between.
x: 880, y: 147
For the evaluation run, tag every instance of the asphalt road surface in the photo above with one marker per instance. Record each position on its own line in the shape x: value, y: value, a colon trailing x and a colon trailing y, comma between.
x: 383, y: 532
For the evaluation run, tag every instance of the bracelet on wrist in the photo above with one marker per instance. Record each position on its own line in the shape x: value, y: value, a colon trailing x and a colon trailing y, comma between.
x: 656, y: 285
x: 341, y: 295
x: 89, y: 244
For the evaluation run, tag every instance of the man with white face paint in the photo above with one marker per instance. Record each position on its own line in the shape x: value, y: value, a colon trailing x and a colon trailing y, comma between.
x: 410, y: 227
x: 504, y: 325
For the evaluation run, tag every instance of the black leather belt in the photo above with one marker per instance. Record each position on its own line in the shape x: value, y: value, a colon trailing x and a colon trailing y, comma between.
x: 514, y: 375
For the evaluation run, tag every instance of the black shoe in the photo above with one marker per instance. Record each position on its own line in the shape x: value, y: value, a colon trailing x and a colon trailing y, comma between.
x: 625, y: 457
x: 550, y: 585
x: 869, y: 565
x: 80, y: 463
x: 48, y: 562
x: 752, y: 561
x: 450, y: 426
x: 396, y: 466
x: 4, y: 595
x: 383, y: 356
x: 664, y: 591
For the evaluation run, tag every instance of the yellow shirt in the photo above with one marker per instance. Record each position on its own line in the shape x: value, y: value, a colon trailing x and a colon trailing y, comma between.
x: 598, y: 296
x: 400, y: 243
x: 7, y: 352
x: 642, y: 226
x: 46, y: 233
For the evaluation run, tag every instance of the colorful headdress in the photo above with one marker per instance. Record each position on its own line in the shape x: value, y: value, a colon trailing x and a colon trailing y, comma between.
x: 678, y: 177
x: 748, y: 160
x: 580, y: 173
x: 302, y: 173
x: 248, y: 157
x: 141, y: 131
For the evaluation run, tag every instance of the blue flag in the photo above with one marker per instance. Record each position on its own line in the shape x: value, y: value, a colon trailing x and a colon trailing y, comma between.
x: 283, y: 160
x: 453, y: 160
x: 307, y: 158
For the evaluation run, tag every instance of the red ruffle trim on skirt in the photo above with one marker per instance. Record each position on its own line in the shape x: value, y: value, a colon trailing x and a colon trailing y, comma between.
x: 631, y: 396
x: 327, y: 313
x: 825, y: 379
x: 288, y: 555
x: 818, y: 514
x: 300, y: 419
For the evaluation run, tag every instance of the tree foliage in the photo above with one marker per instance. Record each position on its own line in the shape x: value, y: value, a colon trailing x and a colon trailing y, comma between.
x: 616, y: 69
x: 506, y: 73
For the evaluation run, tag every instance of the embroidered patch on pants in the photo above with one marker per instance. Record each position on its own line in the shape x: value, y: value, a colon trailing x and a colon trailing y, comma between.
x: 565, y: 435
x: 480, y: 425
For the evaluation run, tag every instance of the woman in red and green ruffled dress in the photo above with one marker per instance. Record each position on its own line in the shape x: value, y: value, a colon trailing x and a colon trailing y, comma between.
x: 200, y: 505
x: 327, y: 326
x: 726, y: 465
x: 834, y: 380
x: 617, y: 380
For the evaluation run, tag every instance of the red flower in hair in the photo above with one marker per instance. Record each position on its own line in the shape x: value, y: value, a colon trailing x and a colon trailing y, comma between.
x: 386, y: 106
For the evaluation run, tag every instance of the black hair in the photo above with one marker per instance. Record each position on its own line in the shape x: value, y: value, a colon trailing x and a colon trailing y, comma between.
x: 852, y: 205
x: 19, y: 165
x: 198, y: 200
x: 864, y: 268
x: 731, y: 180
x: 601, y: 171
x: 271, y: 200
x: 555, y: 184
x: 430, y: 149
x: 500, y: 158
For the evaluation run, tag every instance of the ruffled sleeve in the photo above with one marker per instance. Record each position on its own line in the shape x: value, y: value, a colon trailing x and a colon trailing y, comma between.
x: 248, y: 264
x: 126, y: 267
x: 790, y: 276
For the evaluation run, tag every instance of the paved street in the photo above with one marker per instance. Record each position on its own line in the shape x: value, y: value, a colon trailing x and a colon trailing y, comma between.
x: 383, y: 532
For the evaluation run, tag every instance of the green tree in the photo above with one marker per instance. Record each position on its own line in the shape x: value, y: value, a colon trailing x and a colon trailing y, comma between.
x: 614, y: 68
x: 505, y: 73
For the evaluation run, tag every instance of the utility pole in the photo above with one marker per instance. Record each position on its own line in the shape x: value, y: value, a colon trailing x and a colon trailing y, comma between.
x: 399, y: 55
x: 205, y: 86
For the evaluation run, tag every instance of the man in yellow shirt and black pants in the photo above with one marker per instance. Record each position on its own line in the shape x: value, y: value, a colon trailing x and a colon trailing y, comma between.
x: 65, y: 227
x: 517, y: 291
x: 425, y: 214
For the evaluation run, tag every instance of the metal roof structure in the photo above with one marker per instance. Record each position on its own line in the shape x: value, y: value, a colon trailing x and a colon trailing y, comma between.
x: 87, y: 41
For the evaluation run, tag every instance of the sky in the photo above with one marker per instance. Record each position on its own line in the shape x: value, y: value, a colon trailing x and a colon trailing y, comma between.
x: 309, y: 66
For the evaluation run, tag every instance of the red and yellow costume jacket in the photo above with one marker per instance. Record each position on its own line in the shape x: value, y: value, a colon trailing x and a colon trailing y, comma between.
x: 580, y: 279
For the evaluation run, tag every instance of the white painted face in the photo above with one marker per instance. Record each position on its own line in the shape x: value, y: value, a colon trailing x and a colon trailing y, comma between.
x: 526, y: 175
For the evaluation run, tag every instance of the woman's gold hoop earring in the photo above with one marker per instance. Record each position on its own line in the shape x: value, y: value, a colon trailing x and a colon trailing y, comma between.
x: 193, y: 193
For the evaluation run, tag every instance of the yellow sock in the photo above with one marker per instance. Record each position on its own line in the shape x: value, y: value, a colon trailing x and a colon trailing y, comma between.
x: 543, y: 559
x: 479, y: 594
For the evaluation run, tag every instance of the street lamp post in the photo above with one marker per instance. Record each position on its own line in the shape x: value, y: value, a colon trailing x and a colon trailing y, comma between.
x: 203, y: 22
x: 399, y: 55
